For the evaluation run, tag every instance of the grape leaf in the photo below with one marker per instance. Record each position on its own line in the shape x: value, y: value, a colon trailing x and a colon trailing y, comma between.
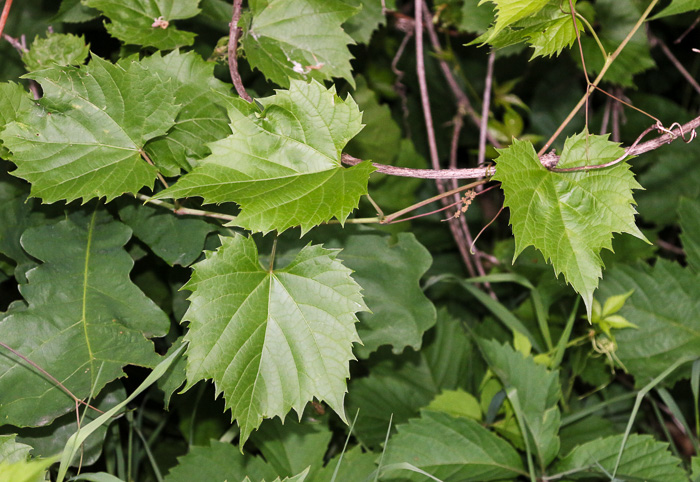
x: 14, y: 101
x: 534, y: 391
x: 676, y: 7
x: 665, y: 306
x: 510, y: 11
x: 475, y: 17
x: 548, y: 31
x: 390, y: 272
x: 689, y: 212
x: 56, y: 48
x: 570, y: 217
x: 401, y: 386
x: 73, y: 11
x: 452, y: 449
x: 299, y: 40
x: 271, y: 340
x: 642, y: 459
x: 81, y: 302
x: 202, y: 118
x: 283, y: 165
x: 85, y: 141
x: 136, y: 21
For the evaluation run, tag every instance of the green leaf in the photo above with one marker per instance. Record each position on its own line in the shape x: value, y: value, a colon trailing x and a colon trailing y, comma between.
x: 369, y: 17
x: 73, y: 11
x: 135, y: 21
x: 271, y: 340
x: 665, y: 308
x: 293, y: 446
x: 689, y: 212
x: 12, y: 451
x: 475, y: 17
x: 616, y: 19
x: 402, y: 386
x: 81, y: 302
x: 389, y: 272
x: 202, y: 117
x: 175, y: 376
x: 283, y: 165
x: 456, y: 403
x: 219, y: 461
x: 299, y: 40
x: 55, y: 49
x: 452, y: 449
x: 355, y: 466
x: 642, y: 459
x: 554, y: 36
x: 678, y: 6
x: 570, y: 217
x: 25, y: 470
x: 174, y: 238
x: 51, y: 439
x: 14, y: 101
x: 532, y: 388
x: 510, y: 11
x: 85, y: 141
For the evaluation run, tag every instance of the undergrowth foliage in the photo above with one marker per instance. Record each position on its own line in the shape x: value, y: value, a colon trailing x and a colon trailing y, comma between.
x: 236, y: 242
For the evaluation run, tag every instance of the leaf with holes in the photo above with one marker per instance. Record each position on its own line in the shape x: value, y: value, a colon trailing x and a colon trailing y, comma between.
x: 85, y: 138
x: 282, y: 165
x: 82, y: 322
x: 271, y: 340
x: 299, y: 40
x: 147, y: 22
x: 570, y: 217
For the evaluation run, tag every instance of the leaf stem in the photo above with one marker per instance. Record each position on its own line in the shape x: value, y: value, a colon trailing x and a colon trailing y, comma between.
x: 232, y: 50
x: 5, y: 13
x: 184, y: 211
x: 591, y: 87
x: 272, y: 254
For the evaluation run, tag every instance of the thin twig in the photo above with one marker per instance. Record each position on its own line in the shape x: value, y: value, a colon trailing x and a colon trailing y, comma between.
x: 676, y: 63
x: 688, y: 30
x: 399, y: 87
x: 49, y: 376
x: 5, y: 13
x: 233, y: 35
x: 15, y: 43
x: 423, y: 87
x: 184, y: 211
x: 158, y: 174
x: 485, y: 108
x: 671, y: 248
x: 473, y: 173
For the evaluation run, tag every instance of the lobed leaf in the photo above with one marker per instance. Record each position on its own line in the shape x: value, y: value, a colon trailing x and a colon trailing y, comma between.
x: 271, y: 340
x: 80, y: 302
x: 56, y: 49
x: 283, y: 165
x: 570, y: 217
x: 12, y: 451
x: 299, y: 40
x: 85, y: 139
x: 510, y: 11
x: 136, y: 21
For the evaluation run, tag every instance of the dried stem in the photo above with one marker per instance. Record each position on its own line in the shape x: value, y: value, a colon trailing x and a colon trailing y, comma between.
x: 485, y: 107
x: 233, y: 35
x: 676, y: 63
x: 184, y: 211
x: 474, y: 173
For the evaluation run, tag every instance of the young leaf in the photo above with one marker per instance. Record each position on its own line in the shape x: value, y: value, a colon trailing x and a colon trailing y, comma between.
x: 85, y: 141
x: 665, y: 308
x: 147, y: 22
x: 453, y: 449
x: 14, y: 101
x: 643, y: 459
x: 689, y: 212
x: 676, y: 7
x: 55, y: 49
x: 510, y: 11
x: 271, y: 340
x: 283, y: 165
x: 536, y: 391
x: 299, y: 40
x: 202, y: 118
x: 570, y: 217
x: 12, y: 451
x: 390, y: 274
x: 83, y: 317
